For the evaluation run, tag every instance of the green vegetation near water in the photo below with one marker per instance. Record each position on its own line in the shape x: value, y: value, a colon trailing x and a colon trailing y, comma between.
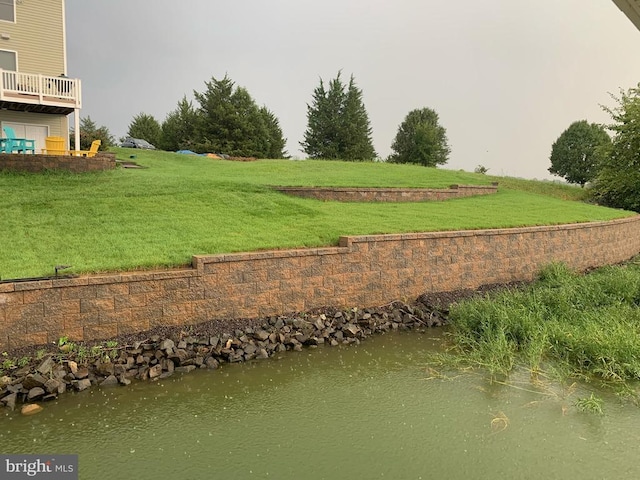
x: 183, y: 205
x: 578, y: 326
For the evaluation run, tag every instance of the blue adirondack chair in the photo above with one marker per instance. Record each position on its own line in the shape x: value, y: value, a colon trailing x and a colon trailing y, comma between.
x: 11, y: 144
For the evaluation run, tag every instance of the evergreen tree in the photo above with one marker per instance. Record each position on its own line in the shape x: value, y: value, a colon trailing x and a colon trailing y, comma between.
x: 89, y: 132
x: 178, y: 128
x: 576, y: 154
x: 230, y: 122
x: 276, y: 141
x: 421, y: 139
x: 145, y: 127
x: 338, y: 125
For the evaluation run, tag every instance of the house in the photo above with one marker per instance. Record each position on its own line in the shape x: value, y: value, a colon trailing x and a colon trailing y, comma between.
x: 631, y: 9
x: 36, y: 97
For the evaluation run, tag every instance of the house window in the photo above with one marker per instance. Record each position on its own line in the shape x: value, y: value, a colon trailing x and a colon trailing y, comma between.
x: 8, y: 60
x: 8, y: 10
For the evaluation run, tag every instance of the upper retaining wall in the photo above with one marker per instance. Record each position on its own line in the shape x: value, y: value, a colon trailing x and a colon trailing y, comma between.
x: 18, y: 162
x: 350, y: 194
x: 361, y: 271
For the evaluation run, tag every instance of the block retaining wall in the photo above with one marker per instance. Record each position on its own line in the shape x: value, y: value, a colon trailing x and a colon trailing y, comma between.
x: 361, y: 271
x: 19, y: 162
x: 349, y: 194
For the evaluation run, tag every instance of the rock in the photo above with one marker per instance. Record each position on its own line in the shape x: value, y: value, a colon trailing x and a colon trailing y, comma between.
x: 31, y: 409
x: 351, y: 330
x: 51, y: 396
x: 21, y: 372
x: 185, y: 369
x: 165, y: 375
x: 166, y: 344
x: 34, y: 380
x: 213, y: 341
x: 83, y: 384
x: 73, y: 366
x: 52, y: 385
x: 179, y: 356
x: 155, y: 371
x: 35, y: 393
x: 262, y: 353
x: 124, y: 380
x: 82, y: 372
x: 4, y: 381
x: 212, y: 363
x: 110, y: 381
x: 105, y: 368
x: 334, y: 342
x: 45, y: 366
x: 261, y: 335
x: 182, y: 344
x: 10, y: 400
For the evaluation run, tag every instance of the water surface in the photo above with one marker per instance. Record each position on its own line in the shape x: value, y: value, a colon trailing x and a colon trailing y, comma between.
x: 368, y: 411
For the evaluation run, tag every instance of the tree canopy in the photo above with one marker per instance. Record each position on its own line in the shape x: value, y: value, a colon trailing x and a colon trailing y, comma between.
x: 617, y: 183
x: 338, y: 126
x: 89, y: 132
x: 178, y: 128
x: 145, y: 127
x: 421, y: 139
x: 578, y: 152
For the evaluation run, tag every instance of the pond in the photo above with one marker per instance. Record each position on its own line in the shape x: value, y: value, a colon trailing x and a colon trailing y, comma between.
x: 369, y: 411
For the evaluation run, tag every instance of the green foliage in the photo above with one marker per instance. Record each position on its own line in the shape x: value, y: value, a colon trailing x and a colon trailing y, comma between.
x: 230, y: 122
x: 103, y: 232
x: 338, y: 125
x: 275, y: 141
x: 145, y: 127
x: 592, y: 404
x: 481, y: 169
x: 579, y: 151
x: 178, y: 128
x: 421, y: 139
x: 618, y: 181
x: 89, y: 132
x: 587, y: 324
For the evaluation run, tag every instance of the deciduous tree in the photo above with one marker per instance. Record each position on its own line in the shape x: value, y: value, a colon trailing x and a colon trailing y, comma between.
x: 421, y: 139
x: 577, y: 153
x: 617, y: 183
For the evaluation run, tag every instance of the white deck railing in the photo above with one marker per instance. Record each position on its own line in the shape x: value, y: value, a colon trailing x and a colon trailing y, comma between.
x: 40, y: 89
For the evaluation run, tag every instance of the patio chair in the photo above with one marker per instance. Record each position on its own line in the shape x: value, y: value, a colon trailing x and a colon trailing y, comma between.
x: 95, y: 145
x: 11, y: 144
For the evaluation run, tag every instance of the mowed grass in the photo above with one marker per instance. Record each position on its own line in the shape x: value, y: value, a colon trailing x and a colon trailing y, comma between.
x: 182, y: 205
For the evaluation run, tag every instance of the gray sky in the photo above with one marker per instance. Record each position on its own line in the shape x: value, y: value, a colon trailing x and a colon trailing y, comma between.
x: 505, y: 76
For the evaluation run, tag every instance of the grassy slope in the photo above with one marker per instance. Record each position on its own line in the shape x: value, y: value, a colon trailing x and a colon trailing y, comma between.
x: 185, y: 205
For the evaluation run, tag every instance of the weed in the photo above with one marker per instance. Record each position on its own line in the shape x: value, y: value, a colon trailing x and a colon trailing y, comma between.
x: 592, y: 404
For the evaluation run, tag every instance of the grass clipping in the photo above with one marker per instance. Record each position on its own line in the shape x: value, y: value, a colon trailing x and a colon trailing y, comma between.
x: 577, y: 326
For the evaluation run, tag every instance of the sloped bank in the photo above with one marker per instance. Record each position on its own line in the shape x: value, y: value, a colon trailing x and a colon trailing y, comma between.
x: 160, y: 354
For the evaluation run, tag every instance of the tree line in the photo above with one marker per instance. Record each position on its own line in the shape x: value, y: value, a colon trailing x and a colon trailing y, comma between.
x: 226, y: 119
x: 604, y: 158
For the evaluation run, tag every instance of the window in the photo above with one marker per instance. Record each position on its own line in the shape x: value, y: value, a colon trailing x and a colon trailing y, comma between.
x: 8, y: 10
x: 8, y: 60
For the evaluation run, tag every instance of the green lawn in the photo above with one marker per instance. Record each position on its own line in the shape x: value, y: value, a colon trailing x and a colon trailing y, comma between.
x: 185, y: 205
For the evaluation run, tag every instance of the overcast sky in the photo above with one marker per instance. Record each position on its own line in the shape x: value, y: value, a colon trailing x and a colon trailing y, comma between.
x: 505, y: 76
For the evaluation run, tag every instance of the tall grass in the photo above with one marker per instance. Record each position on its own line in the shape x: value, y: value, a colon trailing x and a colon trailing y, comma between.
x: 587, y: 325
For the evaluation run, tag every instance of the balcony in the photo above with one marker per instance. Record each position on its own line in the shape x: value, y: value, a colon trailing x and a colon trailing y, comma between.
x: 27, y: 92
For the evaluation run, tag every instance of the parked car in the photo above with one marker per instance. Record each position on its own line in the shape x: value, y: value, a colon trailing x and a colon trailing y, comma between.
x: 137, y: 143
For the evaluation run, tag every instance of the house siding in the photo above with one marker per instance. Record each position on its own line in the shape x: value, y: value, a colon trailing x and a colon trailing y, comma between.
x: 58, y: 124
x: 37, y: 36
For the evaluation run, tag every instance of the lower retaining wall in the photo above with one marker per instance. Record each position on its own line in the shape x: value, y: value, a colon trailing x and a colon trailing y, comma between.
x: 361, y: 271
x: 20, y: 162
x: 350, y: 194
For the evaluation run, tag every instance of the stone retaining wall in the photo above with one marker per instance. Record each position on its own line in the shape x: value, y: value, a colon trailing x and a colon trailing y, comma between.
x: 19, y: 162
x: 350, y: 194
x: 361, y: 271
